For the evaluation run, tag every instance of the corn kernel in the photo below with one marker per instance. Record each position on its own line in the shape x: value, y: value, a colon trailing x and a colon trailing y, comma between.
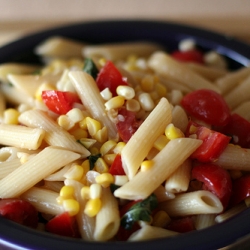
x: 67, y: 192
x: 247, y: 201
x: 118, y: 148
x: 101, y: 166
x: 125, y: 91
x: 101, y: 135
x: 109, y: 158
x: 93, y: 125
x: 86, y: 166
x: 83, y: 124
x: 161, y: 142
x: 186, y: 44
x: 107, y: 147
x: 79, y: 133
x: 154, y: 95
x: 85, y: 193
x: 235, y: 174
x: 102, y: 61
x: 146, y: 165
x: 64, y: 122
x: 92, y: 208
x: 105, y: 179
x: 106, y: 94
x: 10, y: 116
x: 75, y: 115
x: 95, y: 191
x: 94, y: 150
x: 147, y: 83
x: 133, y: 105
x: 74, y: 173
x: 71, y: 206
x: 192, y: 129
x: 146, y: 102
x: 120, y: 180
x: 161, y: 219
x: 41, y: 88
x: 161, y: 89
x: 173, y: 132
x: 115, y: 102
x: 87, y: 142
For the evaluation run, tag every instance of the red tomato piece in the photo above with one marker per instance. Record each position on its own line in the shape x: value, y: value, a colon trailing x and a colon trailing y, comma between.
x: 241, y: 190
x: 123, y: 234
x: 215, y: 179
x: 239, y: 129
x: 63, y: 225
x: 208, y: 106
x: 181, y: 225
x: 20, y: 211
x: 194, y: 55
x: 127, y: 125
x: 116, y: 167
x: 110, y: 77
x: 60, y: 102
x: 214, y: 143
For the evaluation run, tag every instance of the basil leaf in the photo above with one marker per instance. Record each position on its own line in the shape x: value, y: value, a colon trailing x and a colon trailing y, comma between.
x: 90, y: 68
x: 92, y: 160
x: 140, y: 211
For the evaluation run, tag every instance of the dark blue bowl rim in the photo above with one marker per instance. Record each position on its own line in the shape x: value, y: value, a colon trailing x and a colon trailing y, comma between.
x: 166, y: 33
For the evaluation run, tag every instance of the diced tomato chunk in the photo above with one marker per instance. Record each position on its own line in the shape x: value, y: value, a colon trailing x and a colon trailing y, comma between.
x: 207, y: 106
x: 60, y: 102
x: 110, y: 77
x: 215, y: 179
x: 64, y: 225
x: 194, y: 55
x: 128, y: 124
x: 181, y: 225
x: 116, y: 167
x: 214, y: 143
x: 20, y: 211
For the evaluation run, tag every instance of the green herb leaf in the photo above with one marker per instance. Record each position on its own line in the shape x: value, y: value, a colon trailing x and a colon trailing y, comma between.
x: 140, y: 211
x: 90, y: 68
x: 113, y: 187
x: 92, y: 160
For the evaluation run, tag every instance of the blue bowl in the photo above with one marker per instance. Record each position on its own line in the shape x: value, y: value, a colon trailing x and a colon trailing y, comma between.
x: 14, y: 236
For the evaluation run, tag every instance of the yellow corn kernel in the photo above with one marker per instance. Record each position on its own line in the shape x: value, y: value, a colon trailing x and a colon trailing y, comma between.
x: 67, y: 192
x: 64, y: 122
x: 93, y: 125
x: 115, y: 102
x: 147, y: 83
x: 71, y: 206
x: 146, y: 165
x: 146, y: 101
x: 107, y: 147
x: 79, y: 133
x: 24, y: 157
x: 94, y: 150
x: 101, y: 135
x: 118, y: 148
x: 109, y: 158
x: 92, y: 207
x: 106, y: 94
x: 10, y: 116
x: 86, y: 166
x: 95, y: 191
x: 161, y: 142
x: 125, y: 91
x: 105, y: 179
x: 161, y: 219
x: 173, y: 132
x: 85, y: 193
x: 154, y: 95
x: 75, y: 172
x: 247, y: 201
x: 192, y: 129
x: 235, y: 174
x: 75, y: 115
x: 133, y: 105
x: 161, y: 89
x: 41, y: 88
x: 102, y: 61
x: 83, y: 124
x: 101, y: 166
x: 87, y: 142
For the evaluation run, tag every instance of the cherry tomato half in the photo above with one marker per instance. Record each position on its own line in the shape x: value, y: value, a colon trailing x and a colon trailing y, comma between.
x: 194, y: 55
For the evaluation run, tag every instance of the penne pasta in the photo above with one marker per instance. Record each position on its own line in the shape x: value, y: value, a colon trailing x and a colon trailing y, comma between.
x: 7, y: 167
x: 164, y: 164
x: 143, y: 139
x: 204, y: 220
x: 243, y: 110
x: 180, y: 118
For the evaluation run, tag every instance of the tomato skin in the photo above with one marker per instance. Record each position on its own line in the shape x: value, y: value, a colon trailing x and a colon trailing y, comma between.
x: 194, y: 55
x: 181, y: 225
x: 19, y: 211
x: 239, y: 129
x: 207, y: 106
x: 214, y: 143
x: 60, y: 102
x: 240, y: 190
x: 215, y: 179
x: 127, y: 127
x: 63, y: 225
x: 116, y: 167
x: 110, y: 77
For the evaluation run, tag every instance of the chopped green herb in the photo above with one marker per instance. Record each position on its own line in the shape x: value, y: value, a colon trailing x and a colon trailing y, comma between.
x: 92, y: 159
x: 90, y: 68
x: 139, y: 211
x: 113, y: 187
